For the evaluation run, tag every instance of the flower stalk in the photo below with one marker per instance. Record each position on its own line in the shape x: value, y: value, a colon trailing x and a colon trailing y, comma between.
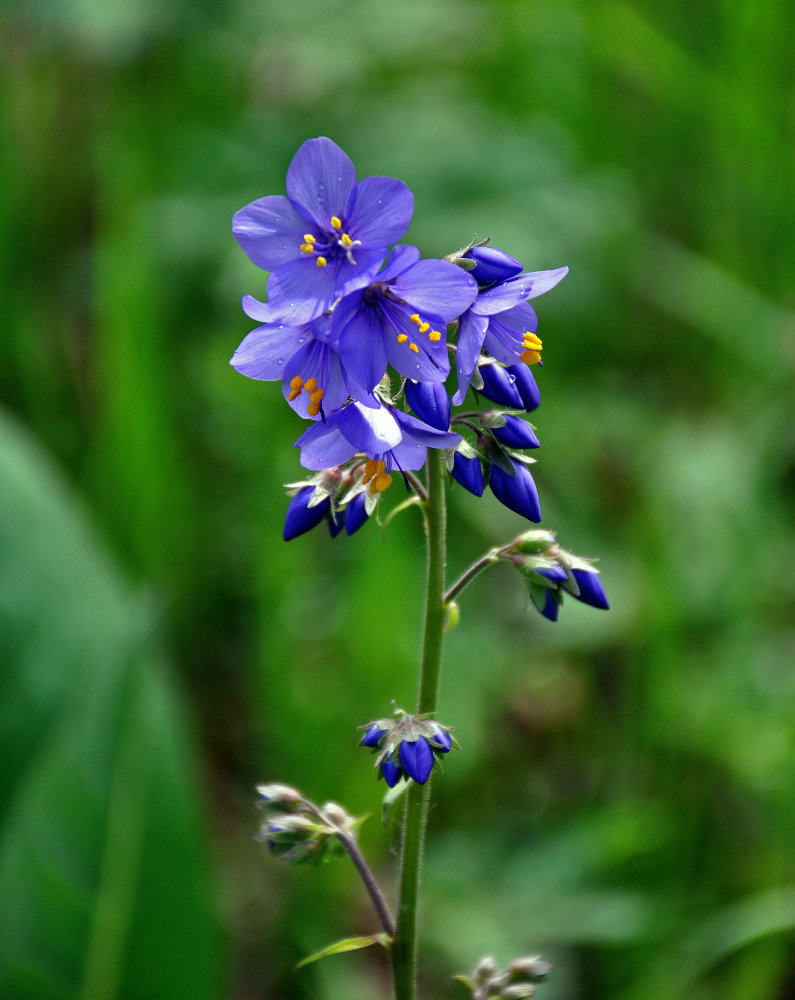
x: 404, y: 949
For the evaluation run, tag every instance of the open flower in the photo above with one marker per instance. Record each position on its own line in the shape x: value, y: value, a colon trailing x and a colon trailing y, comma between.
x: 327, y: 236
x: 386, y: 436
x: 303, y: 357
x: 400, y: 316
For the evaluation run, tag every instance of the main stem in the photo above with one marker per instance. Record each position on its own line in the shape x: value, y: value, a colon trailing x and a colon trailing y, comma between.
x: 404, y: 949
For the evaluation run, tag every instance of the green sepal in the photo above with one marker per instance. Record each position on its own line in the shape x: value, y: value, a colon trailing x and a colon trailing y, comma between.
x: 452, y: 616
x: 390, y: 798
x: 347, y: 944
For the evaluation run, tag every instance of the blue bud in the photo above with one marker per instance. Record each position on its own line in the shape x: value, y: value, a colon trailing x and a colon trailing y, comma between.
x: 556, y: 573
x: 499, y: 386
x: 300, y: 516
x: 336, y: 524
x: 355, y: 513
x: 373, y: 736
x: 551, y: 606
x: 526, y: 386
x: 442, y: 737
x: 492, y: 265
x: 469, y: 473
x: 392, y: 772
x: 416, y: 757
x: 517, y: 492
x: 516, y: 433
x: 430, y: 402
x: 591, y: 590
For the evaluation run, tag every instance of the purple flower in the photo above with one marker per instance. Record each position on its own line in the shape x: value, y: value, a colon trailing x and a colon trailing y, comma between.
x: 373, y: 736
x: 355, y: 513
x: 501, y: 320
x: 383, y: 434
x: 392, y: 772
x: 302, y: 517
x: 328, y: 235
x: 526, y: 386
x: 499, y: 386
x: 400, y: 317
x: 517, y: 492
x: 492, y: 265
x: 303, y: 357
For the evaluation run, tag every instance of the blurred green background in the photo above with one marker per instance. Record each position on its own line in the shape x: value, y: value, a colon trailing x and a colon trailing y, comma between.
x: 624, y: 800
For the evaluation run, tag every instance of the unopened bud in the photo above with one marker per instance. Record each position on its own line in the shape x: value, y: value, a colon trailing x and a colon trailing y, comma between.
x: 532, y: 967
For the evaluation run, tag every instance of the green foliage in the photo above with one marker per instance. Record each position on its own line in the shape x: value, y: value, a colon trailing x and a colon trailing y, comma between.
x: 624, y: 799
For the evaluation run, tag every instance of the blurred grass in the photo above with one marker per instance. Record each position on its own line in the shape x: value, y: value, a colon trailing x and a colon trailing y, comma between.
x: 624, y: 799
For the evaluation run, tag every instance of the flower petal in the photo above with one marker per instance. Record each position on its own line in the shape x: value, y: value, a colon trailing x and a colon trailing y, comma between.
x: 430, y: 362
x: 401, y: 258
x: 322, y: 446
x: 591, y: 590
x: 355, y: 513
x: 264, y: 353
x: 321, y: 362
x: 381, y: 211
x: 505, y: 335
x: 300, y: 516
x: 300, y: 290
x: 320, y: 179
x: 373, y: 431
x: 262, y: 312
x: 436, y: 287
x: 517, y: 492
x: 415, y: 430
x: 270, y: 230
x: 515, y: 290
x: 471, y: 333
x: 361, y: 345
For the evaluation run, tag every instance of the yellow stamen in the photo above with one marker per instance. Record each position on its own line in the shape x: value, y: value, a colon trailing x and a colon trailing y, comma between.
x: 380, y: 482
x: 530, y: 357
x: 309, y: 238
x: 313, y: 409
x: 415, y: 318
x: 413, y: 347
x: 310, y: 384
x: 402, y: 338
x: 346, y: 241
x: 434, y: 335
x: 531, y: 340
x: 424, y: 327
x: 335, y: 222
x: 296, y: 382
x: 306, y: 248
x: 316, y: 395
x: 371, y: 469
x: 294, y: 394
x: 321, y: 262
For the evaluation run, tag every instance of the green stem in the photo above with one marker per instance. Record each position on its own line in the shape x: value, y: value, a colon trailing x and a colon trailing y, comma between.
x: 404, y: 949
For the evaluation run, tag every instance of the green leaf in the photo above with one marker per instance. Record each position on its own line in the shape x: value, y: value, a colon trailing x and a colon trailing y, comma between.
x: 347, y: 944
x: 103, y: 870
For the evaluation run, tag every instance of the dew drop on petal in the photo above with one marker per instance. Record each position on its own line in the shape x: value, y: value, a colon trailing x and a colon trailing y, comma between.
x: 301, y: 340
x: 280, y: 361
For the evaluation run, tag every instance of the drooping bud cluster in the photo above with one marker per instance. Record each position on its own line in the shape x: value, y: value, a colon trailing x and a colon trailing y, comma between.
x: 551, y: 572
x: 516, y: 981
x: 407, y: 746
x: 298, y: 831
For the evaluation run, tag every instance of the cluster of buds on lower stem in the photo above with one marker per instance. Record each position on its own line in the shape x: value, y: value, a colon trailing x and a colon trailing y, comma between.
x: 298, y: 831
x: 407, y: 746
x: 516, y: 981
x: 550, y: 572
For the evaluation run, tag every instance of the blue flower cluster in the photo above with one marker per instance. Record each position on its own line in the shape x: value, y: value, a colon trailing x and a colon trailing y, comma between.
x: 348, y: 307
x: 407, y: 746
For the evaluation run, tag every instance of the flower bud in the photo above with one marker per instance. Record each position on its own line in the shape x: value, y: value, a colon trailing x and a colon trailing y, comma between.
x: 469, y: 473
x: 336, y: 523
x: 516, y: 433
x: 526, y: 386
x: 551, y: 606
x: 392, y: 772
x: 555, y: 573
x: 373, y: 736
x: 300, y: 516
x: 492, y: 265
x: 591, y: 590
x: 277, y: 794
x: 355, y: 513
x: 416, y: 759
x: 519, y: 991
x: 430, y: 402
x: 532, y: 967
x: 442, y: 739
x: 517, y: 492
x: 498, y: 385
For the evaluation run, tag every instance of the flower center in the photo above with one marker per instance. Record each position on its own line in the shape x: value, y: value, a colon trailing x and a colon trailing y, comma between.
x: 376, y: 476
x: 310, y: 386
x: 532, y: 347
x: 422, y: 327
x: 339, y: 241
